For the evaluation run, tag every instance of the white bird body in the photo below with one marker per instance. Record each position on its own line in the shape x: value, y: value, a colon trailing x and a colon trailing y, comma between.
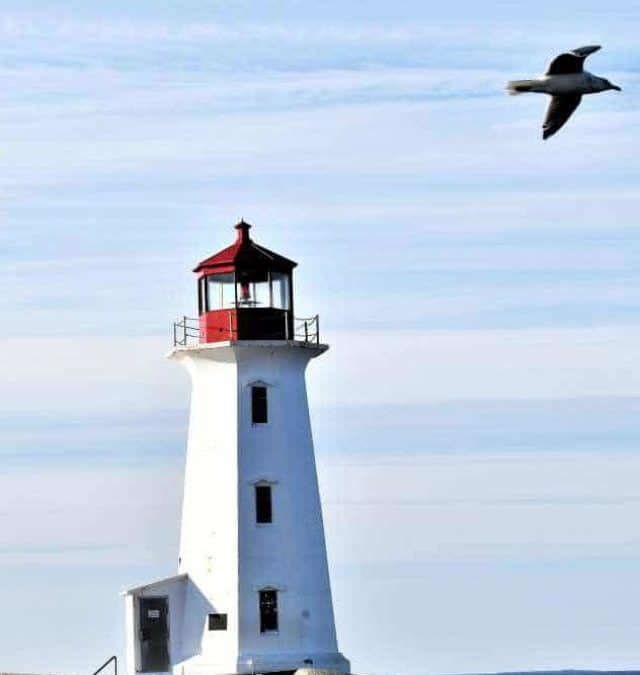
x: 566, y: 82
x: 574, y: 83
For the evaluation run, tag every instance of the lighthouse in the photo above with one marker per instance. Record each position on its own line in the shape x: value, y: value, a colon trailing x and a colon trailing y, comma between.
x: 252, y: 591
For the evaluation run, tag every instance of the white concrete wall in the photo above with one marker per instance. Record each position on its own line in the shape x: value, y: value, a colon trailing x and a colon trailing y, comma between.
x: 290, y: 553
x: 209, y: 533
x: 227, y: 555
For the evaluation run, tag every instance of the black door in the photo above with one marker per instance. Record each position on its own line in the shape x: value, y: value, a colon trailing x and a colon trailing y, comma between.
x: 154, y: 635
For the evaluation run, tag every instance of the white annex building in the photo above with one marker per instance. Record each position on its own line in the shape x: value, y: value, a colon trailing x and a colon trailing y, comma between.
x: 252, y: 591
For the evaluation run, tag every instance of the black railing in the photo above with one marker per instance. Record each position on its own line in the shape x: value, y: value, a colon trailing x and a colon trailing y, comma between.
x: 112, y: 659
x: 186, y: 331
x: 307, y: 330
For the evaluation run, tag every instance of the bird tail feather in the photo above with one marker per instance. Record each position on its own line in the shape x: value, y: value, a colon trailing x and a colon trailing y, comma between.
x: 516, y: 87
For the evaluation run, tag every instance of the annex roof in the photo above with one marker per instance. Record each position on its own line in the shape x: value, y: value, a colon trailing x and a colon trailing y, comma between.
x: 158, y: 582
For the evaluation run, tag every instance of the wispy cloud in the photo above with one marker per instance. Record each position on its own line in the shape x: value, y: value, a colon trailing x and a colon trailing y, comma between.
x: 455, y: 260
x: 45, y: 25
x: 81, y: 375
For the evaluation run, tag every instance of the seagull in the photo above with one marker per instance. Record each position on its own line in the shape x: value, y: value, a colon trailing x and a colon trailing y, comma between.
x: 566, y: 81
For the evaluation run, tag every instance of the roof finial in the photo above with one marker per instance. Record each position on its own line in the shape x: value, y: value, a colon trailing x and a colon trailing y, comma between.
x: 243, y: 230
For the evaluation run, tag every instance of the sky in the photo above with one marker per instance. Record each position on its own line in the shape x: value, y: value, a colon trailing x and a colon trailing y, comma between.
x: 476, y: 419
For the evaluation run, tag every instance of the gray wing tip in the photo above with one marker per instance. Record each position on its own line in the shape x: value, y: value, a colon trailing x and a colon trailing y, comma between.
x: 586, y: 50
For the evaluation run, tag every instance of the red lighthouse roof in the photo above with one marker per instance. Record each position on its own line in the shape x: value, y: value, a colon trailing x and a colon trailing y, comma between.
x: 244, y: 252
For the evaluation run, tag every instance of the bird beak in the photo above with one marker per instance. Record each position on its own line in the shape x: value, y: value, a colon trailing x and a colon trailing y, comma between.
x: 615, y: 86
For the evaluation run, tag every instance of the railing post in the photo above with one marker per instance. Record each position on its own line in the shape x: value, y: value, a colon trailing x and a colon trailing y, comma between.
x: 317, y: 329
x: 183, y: 332
x: 306, y: 331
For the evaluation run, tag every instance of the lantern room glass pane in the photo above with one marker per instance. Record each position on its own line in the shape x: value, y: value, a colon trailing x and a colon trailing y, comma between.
x: 280, y: 290
x: 253, y: 290
x: 220, y: 291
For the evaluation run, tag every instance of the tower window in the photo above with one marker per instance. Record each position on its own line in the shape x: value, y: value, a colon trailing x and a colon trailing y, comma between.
x: 268, y: 611
x: 264, y: 510
x: 259, y: 405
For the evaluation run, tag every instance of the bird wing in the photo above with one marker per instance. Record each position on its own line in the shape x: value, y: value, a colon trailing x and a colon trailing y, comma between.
x: 559, y: 111
x: 571, y: 62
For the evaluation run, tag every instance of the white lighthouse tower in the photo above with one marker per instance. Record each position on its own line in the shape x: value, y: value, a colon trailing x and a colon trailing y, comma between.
x: 252, y: 593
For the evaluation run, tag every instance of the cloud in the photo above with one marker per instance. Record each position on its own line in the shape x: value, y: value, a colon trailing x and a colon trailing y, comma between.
x: 469, y: 542
x: 454, y: 548
x: 384, y: 156
x: 96, y: 374
x: 388, y: 148
x: 80, y: 375
x: 44, y: 25
x: 521, y: 506
x: 51, y: 515
x: 421, y: 366
x: 372, y: 367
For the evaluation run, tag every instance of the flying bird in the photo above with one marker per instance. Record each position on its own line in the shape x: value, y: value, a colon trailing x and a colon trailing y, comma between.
x: 566, y: 81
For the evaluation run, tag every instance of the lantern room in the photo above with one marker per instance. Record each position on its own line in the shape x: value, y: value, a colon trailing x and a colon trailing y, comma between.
x: 245, y: 292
